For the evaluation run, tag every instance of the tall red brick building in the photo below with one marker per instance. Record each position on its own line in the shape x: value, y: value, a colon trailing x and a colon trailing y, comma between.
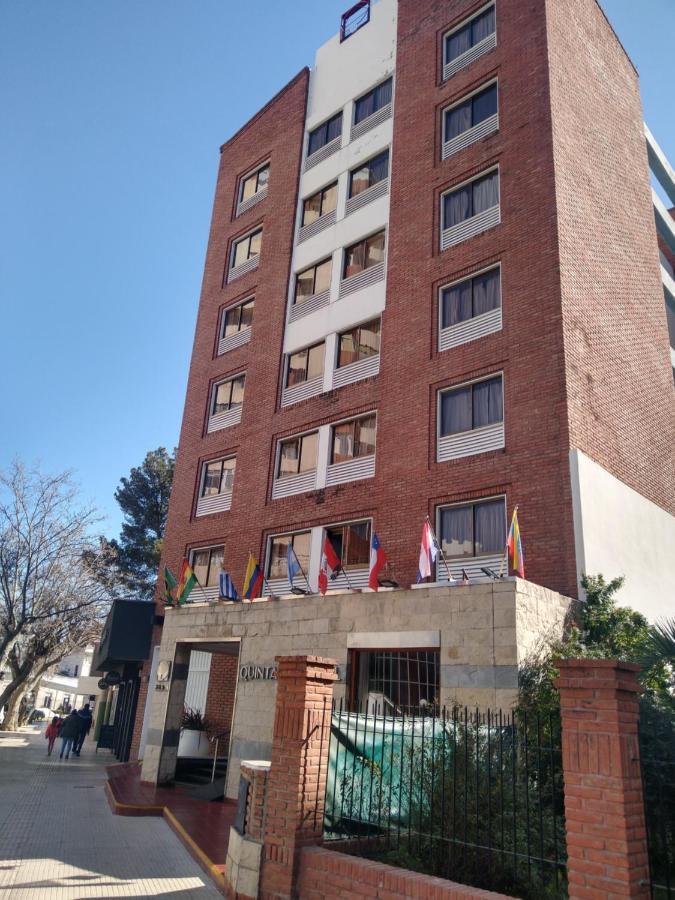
x: 433, y: 288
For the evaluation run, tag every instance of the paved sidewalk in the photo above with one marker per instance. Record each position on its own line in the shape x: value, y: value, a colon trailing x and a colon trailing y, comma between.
x: 59, y: 840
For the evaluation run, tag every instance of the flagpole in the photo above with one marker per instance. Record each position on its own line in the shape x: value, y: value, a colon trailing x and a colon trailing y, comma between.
x: 440, y: 551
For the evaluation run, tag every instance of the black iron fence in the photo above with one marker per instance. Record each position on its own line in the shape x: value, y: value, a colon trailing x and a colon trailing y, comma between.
x: 657, y: 756
x: 476, y: 797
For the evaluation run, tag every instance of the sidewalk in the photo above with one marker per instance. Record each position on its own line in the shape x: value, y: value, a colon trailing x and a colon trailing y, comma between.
x: 60, y: 841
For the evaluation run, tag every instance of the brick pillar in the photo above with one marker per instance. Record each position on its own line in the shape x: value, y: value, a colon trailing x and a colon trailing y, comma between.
x: 604, y: 810
x: 297, y: 778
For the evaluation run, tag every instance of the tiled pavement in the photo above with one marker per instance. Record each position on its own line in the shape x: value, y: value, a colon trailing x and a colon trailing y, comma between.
x: 60, y: 841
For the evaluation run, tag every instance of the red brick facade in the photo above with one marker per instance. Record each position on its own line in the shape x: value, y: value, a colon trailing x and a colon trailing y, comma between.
x: 220, y: 695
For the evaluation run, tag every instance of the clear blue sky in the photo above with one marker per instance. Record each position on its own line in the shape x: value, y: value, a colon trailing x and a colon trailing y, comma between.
x: 112, y: 113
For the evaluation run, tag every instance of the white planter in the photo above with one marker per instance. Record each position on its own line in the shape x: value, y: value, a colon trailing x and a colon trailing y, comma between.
x: 194, y: 743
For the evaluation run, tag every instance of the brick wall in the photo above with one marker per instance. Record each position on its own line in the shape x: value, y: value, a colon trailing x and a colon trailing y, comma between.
x: 220, y: 694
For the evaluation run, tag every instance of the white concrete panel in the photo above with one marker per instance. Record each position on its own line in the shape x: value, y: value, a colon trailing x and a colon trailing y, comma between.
x: 619, y: 532
x: 349, y: 157
x: 393, y: 640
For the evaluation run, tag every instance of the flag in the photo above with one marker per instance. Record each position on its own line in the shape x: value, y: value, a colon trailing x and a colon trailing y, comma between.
x: 330, y: 565
x: 188, y: 580
x: 227, y: 589
x: 378, y: 560
x: 514, y: 546
x: 292, y: 563
x: 428, y: 552
x: 169, y: 584
x: 253, y: 579
x: 465, y: 577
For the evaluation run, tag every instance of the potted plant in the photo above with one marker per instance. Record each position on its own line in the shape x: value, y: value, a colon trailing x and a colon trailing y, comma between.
x: 193, y: 733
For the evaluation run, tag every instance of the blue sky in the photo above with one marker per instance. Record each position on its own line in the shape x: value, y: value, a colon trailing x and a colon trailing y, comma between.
x: 112, y: 115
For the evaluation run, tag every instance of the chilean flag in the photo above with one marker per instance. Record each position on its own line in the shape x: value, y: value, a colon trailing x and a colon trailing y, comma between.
x: 330, y: 565
x: 428, y: 553
x: 378, y: 560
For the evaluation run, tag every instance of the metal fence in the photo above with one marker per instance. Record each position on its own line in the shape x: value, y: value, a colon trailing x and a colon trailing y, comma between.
x: 472, y: 796
x: 657, y: 756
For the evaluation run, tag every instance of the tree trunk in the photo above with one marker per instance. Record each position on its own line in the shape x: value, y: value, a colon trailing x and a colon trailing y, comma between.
x: 11, y: 722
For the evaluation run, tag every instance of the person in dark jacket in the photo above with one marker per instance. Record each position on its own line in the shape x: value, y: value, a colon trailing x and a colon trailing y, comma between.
x: 70, y: 731
x: 85, y: 726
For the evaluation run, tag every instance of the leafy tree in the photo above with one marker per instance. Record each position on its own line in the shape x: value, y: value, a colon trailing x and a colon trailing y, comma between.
x: 144, y: 500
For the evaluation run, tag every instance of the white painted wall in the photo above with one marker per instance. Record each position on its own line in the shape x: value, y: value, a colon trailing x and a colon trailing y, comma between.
x: 619, y: 532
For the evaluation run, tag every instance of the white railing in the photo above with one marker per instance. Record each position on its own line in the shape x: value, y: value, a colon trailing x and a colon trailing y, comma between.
x: 362, y: 279
x: 293, y: 484
x: 372, y: 121
x: 368, y: 196
x: 214, y: 503
x: 243, y: 269
x: 224, y: 419
x: 470, y: 227
x: 472, y: 566
x: 470, y: 330
x: 356, y: 371
x: 469, y: 443
x: 351, y: 470
x: 310, y: 305
x: 323, y: 153
x: 302, y: 391
x: 232, y: 341
x: 466, y: 58
x: 471, y: 135
x: 318, y: 225
x: 247, y: 204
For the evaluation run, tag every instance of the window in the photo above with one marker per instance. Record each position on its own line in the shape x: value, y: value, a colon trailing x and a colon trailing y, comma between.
x: 319, y: 204
x: 298, y: 455
x: 369, y: 174
x: 472, y: 406
x: 237, y: 318
x: 312, y: 281
x: 354, y: 439
x: 396, y: 682
x: 372, y: 101
x: 325, y: 133
x: 278, y: 559
x: 228, y: 394
x: 218, y: 477
x: 470, y: 298
x: 254, y: 183
x: 354, y: 18
x: 206, y: 564
x: 305, y: 364
x: 471, y: 199
x: 246, y: 248
x: 475, y: 529
x: 359, y: 343
x: 469, y: 34
x: 368, y: 252
x: 470, y: 112
x: 351, y: 543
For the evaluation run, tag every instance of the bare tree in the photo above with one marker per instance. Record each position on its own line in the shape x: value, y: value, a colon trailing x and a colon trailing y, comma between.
x: 51, y: 598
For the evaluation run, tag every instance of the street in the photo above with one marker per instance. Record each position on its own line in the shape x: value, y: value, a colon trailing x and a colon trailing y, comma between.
x: 60, y: 841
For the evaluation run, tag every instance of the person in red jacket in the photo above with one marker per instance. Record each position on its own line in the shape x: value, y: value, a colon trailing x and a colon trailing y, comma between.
x: 51, y: 733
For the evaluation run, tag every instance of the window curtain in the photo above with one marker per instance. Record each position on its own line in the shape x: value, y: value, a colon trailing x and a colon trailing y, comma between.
x: 457, y: 206
x: 456, y: 411
x: 355, y: 259
x: 343, y: 443
x: 357, y: 550
x: 308, y: 448
x: 483, y: 26
x: 457, y: 120
x: 484, y: 105
x: 457, y: 531
x: 487, y: 402
x: 456, y: 304
x: 485, y: 193
x: 486, y: 292
x: 237, y: 392
x: 289, y: 457
x: 375, y: 250
x: 379, y: 168
x: 490, y: 527
x: 334, y: 129
x: 458, y: 43
x: 246, y: 315
x: 383, y: 94
x: 365, y: 437
x: 348, y: 348
x: 364, y: 107
x: 316, y: 140
x: 278, y: 557
x: 369, y: 340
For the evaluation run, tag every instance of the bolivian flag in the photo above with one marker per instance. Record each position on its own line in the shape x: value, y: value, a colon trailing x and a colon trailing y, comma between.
x: 253, y: 579
x: 188, y: 580
x: 515, y: 547
x: 169, y: 584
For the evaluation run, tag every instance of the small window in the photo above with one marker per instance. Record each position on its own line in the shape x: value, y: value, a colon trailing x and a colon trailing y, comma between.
x: 366, y: 253
x: 237, y: 318
x: 470, y: 298
x: 354, y: 18
x: 358, y: 343
x: 246, y: 248
x: 313, y: 281
x: 305, y: 364
x: 351, y: 543
x: 228, y: 394
x: 369, y: 174
x: 207, y: 564
x: 472, y: 406
x: 325, y: 133
x: 372, y: 101
x: 319, y: 204
x: 471, y: 112
x: 474, y: 529
x: 471, y: 199
x: 396, y: 682
x: 278, y: 559
x: 354, y: 439
x: 298, y: 455
x: 253, y: 184
x: 469, y: 34
x: 218, y: 477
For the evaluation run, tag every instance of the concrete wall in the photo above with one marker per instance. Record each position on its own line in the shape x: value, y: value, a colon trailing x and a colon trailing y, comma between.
x: 483, y: 632
x: 620, y: 532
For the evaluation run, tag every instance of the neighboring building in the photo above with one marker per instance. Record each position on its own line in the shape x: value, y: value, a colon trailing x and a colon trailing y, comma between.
x: 432, y: 287
x: 69, y: 684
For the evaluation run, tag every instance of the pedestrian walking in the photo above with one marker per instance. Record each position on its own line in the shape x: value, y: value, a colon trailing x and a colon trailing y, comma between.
x: 51, y: 733
x: 86, y: 719
x: 70, y: 730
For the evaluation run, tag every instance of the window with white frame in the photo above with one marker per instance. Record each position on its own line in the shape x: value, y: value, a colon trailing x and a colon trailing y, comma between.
x: 351, y: 543
x: 369, y: 174
x: 277, y: 561
x: 218, y: 477
x: 358, y: 343
x: 312, y: 281
x: 354, y: 18
x: 305, y: 365
x: 319, y: 204
x: 471, y: 297
x: 227, y: 395
x: 207, y: 564
x: 297, y: 455
x: 237, y: 318
x: 354, y: 439
x: 373, y: 101
x: 462, y: 122
x: 473, y: 529
x: 364, y: 255
x: 325, y: 133
x: 471, y: 406
x: 470, y: 209
x: 254, y: 183
x: 468, y: 40
x: 246, y: 248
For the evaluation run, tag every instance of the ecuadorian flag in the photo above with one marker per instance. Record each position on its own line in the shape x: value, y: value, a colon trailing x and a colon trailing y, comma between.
x: 253, y: 579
